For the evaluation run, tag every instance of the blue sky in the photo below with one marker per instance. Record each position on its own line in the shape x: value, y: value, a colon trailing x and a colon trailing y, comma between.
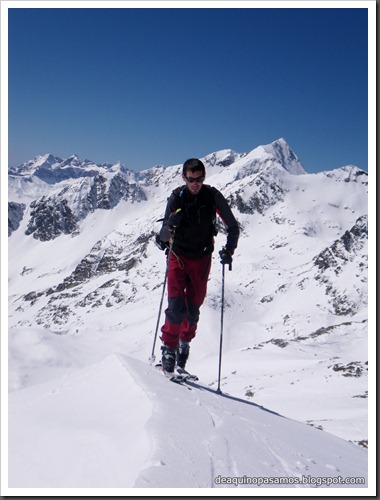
x: 158, y: 85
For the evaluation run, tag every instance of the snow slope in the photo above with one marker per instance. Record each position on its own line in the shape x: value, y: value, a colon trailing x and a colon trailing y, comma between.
x: 120, y: 424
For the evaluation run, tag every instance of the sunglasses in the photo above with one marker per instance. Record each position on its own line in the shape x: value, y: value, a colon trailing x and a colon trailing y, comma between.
x: 201, y: 178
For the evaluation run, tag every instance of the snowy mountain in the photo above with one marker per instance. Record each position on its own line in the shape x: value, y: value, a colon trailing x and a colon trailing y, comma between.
x: 85, y: 281
x: 52, y: 170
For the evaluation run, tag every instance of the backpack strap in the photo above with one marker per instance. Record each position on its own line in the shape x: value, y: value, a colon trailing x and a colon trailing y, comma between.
x: 180, y: 196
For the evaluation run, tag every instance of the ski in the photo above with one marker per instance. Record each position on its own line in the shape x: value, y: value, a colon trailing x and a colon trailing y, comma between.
x: 180, y: 375
x: 173, y: 377
x: 186, y: 374
x: 177, y: 378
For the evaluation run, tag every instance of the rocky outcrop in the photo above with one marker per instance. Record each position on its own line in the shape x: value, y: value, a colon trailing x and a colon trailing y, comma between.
x: 15, y: 216
x: 266, y: 193
x: 345, y: 248
x: 60, y: 213
x: 51, y: 218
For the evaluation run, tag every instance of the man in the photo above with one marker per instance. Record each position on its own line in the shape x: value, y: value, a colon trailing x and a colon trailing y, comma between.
x: 189, y: 228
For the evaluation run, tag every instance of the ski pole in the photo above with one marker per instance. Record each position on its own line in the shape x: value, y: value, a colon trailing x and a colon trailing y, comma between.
x: 221, y: 332
x: 152, y: 358
x: 221, y: 328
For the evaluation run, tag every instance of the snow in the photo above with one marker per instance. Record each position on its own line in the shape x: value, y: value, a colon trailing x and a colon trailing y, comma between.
x: 86, y: 409
x: 79, y: 430
x: 120, y: 424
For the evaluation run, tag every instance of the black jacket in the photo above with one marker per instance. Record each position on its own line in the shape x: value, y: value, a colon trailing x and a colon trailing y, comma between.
x: 194, y: 237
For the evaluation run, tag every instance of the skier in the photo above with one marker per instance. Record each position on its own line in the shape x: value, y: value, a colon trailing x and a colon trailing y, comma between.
x: 189, y: 227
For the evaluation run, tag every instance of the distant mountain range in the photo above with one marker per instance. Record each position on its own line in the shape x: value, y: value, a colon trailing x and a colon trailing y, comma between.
x: 82, y: 259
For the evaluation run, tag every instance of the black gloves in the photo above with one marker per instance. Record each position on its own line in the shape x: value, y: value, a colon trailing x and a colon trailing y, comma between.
x: 225, y: 255
x: 162, y: 245
x: 174, y: 219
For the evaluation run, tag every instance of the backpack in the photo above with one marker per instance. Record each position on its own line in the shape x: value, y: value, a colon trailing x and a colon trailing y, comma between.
x: 194, y: 237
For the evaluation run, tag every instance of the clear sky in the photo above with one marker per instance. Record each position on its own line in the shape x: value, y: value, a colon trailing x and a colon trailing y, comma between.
x: 158, y: 85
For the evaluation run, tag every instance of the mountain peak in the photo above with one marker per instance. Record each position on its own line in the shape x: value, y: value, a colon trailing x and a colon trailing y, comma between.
x: 222, y: 158
x: 46, y: 161
x: 73, y: 158
x: 281, y: 150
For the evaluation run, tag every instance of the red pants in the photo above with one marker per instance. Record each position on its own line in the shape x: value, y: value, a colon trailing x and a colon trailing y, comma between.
x: 187, y: 286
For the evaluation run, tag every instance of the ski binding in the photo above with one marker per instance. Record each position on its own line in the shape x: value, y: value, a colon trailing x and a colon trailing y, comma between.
x: 179, y: 376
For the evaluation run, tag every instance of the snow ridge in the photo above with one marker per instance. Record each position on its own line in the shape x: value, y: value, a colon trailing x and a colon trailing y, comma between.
x: 103, y: 444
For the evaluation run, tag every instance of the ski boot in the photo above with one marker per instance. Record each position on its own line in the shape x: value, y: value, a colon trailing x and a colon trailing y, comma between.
x: 182, y: 353
x: 168, y: 358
